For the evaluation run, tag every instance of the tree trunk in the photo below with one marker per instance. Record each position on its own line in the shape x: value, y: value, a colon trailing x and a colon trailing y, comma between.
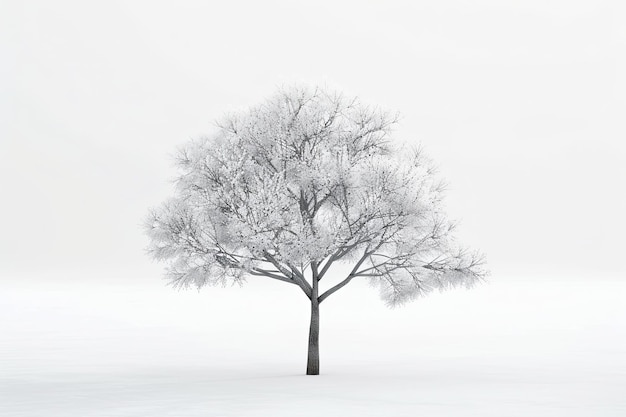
x: 313, y: 362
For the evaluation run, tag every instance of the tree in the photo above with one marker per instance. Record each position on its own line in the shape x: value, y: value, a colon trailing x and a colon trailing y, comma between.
x: 304, y: 181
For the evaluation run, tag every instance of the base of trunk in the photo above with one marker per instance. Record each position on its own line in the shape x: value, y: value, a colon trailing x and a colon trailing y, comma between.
x: 313, y: 363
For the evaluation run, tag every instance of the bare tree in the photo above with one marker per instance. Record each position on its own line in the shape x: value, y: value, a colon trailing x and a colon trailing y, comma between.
x: 298, y: 184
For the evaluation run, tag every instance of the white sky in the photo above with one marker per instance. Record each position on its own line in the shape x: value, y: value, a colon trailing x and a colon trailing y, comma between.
x: 521, y: 103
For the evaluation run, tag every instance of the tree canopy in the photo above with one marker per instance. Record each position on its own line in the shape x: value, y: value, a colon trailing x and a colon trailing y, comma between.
x: 305, y: 180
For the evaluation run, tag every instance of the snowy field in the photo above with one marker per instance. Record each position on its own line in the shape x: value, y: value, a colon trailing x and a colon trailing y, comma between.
x: 508, y: 348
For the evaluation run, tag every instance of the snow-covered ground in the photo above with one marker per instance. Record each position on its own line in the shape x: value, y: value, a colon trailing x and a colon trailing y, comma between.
x: 551, y: 347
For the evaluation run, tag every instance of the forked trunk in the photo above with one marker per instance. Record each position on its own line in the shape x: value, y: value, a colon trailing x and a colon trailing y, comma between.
x: 313, y: 362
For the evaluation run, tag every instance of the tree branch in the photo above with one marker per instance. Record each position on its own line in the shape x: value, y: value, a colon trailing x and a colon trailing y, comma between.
x: 345, y: 281
x: 296, y: 276
x: 265, y: 273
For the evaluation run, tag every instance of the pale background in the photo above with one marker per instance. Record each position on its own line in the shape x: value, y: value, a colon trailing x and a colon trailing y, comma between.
x: 520, y: 103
